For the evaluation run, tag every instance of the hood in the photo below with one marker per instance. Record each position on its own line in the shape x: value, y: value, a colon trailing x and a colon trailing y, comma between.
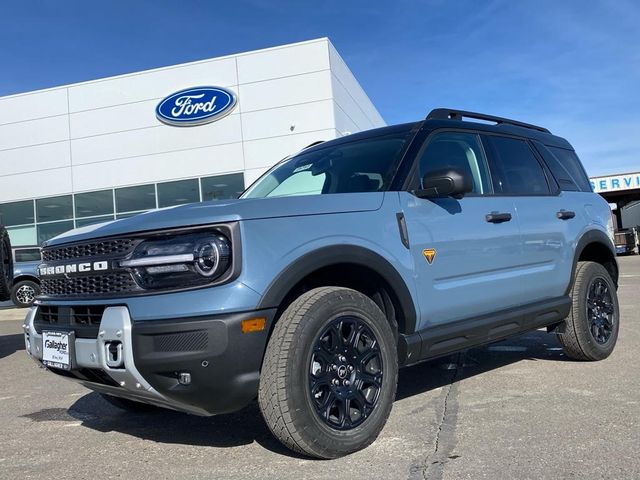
x: 220, y: 211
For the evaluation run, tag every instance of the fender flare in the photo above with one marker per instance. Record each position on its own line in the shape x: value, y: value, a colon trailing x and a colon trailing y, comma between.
x: 336, y: 254
x: 22, y: 278
x: 589, y: 237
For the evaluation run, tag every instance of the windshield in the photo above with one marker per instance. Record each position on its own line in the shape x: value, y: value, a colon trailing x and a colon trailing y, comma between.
x: 364, y: 165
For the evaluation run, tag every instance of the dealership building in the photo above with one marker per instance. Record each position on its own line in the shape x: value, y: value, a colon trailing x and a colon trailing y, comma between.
x: 99, y: 150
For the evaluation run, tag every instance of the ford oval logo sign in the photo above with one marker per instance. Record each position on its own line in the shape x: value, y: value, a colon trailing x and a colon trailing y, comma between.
x: 195, y: 106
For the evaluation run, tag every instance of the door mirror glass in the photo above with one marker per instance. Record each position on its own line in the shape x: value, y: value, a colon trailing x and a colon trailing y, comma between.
x: 445, y: 182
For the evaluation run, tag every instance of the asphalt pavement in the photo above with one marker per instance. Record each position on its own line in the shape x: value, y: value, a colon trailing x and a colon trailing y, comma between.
x: 514, y: 409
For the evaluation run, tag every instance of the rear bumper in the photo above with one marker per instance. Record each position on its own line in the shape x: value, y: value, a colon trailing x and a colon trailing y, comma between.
x: 223, y: 363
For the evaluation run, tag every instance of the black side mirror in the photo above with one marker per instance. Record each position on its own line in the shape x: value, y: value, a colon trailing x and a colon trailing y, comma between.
x: 445, y: 182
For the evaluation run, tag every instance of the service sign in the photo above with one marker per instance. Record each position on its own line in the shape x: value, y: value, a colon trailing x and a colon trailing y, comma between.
x: 612, y: 183
x: 196, y: 106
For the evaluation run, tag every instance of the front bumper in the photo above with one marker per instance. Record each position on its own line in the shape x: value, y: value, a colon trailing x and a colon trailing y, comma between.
x: 222, y: 362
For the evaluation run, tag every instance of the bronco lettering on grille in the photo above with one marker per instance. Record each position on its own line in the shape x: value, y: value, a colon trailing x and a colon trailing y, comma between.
x: 71, y: 268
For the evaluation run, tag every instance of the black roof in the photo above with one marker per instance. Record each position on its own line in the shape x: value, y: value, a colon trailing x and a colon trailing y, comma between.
x: 451, y: 118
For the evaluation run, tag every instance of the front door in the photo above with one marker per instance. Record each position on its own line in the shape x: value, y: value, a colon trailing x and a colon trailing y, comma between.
x: 466, y: 251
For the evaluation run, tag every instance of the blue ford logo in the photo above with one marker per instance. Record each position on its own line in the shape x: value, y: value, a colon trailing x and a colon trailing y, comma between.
x: 195, y: 106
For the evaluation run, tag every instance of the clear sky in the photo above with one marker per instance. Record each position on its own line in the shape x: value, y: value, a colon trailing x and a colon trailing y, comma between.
x: 572, y: 66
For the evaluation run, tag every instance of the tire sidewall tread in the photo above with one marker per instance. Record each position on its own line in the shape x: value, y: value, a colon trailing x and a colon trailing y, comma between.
x: 5, y: 287
x: 576, y: 340
x: 17, y: 286
x: 283, y: 394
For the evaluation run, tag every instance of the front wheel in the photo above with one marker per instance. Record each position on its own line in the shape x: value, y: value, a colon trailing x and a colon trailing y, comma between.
x: 591, y: 329
x: 24, y: 293
x: 330, y: 372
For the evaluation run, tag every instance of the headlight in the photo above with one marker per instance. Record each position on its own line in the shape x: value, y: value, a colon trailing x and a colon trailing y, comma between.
x: 180, y: 261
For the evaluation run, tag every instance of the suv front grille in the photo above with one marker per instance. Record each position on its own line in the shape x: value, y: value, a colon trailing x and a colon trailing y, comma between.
x: 103, y: 248
x: 83, y: 320
x: 94, y: 283
x: 88, y: 285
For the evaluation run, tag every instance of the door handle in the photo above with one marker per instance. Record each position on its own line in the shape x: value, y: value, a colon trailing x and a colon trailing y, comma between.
x: 565, y: 214
x: 495, y: 217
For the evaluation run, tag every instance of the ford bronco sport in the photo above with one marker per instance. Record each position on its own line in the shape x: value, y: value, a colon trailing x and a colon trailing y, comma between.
x: 344, y: 262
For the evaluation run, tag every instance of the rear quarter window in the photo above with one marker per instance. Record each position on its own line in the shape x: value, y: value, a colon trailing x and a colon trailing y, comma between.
x: 566, y: 167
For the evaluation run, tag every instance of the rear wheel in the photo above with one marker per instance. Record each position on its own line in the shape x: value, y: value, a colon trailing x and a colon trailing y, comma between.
x: 330, y: 372
x: 24, y: 293
x: 591, y: 329
x: 6, y: 265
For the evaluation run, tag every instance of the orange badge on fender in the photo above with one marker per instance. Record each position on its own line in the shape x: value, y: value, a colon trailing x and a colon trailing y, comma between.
x: 429, y: 254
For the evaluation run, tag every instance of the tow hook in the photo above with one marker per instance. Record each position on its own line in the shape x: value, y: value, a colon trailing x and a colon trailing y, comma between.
x: 113, y: 354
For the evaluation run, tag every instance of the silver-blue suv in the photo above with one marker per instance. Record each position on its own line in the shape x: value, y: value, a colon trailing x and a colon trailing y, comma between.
x: 344, y: 262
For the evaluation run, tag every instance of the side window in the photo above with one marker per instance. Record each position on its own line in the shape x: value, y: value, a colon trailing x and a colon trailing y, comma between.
x: 457, y: 150
x: 514, y: 168
x: 563, y: 177
x: 571, y: 163
x: 27, y: 255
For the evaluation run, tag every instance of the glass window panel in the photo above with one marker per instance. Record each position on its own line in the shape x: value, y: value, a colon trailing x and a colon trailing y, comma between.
x: 83, y: 222
x: 50, y: 230
x: 301, y: 183
x: 16, y: 213
x: 27, y: 254
x: 129, y: 199
x: 178, y: 193
x: 222, y: 187
x: 354, y: 166
x: 514, y: 169
x: 457, y: 150
x: 94, y: 203
x: 22, y: 236
x: 571, y: 163
x: 54, y: 208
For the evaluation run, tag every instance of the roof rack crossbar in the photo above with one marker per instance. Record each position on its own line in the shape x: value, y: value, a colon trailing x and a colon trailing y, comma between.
x: 451, y: 114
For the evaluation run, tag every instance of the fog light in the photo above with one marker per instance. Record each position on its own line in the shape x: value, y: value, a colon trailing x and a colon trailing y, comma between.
x: 184, y: 378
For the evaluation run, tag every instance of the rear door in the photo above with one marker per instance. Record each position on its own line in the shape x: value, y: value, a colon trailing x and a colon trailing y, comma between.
x: 466, y: 251
x: 545, y: 216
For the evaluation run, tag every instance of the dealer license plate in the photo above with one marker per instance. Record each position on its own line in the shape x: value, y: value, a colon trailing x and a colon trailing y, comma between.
x: 57, y: 349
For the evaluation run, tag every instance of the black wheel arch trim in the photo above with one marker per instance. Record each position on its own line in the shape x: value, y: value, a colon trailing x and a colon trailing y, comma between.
x: 308, y: 263
x: 588, y: 238
x: 26, y: 278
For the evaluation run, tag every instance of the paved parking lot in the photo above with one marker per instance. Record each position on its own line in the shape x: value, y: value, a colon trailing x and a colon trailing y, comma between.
x: 514, y: 409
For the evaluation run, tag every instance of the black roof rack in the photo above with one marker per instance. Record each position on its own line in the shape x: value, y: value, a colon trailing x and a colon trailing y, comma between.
x: 313, y: 144
x: 451, y: 114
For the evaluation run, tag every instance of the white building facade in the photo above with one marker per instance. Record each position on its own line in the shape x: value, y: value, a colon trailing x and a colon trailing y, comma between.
x: 95, y: 151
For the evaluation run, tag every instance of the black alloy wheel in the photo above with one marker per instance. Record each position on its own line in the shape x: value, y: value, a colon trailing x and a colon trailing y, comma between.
x: 329, y: 373
x: 590, y: 331
x: 345, y: 373
x: 600, y: 310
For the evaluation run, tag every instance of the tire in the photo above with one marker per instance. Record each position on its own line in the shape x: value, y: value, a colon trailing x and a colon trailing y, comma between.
x: 23, y: 293
x: 591, y: 329
x: 307, y: 353
x: 6, y: 265
x: 129, y: 405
